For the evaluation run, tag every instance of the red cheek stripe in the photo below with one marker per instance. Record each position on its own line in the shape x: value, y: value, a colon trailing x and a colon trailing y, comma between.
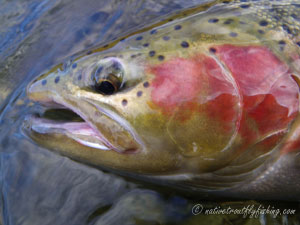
x: 176, y: 82
x: 179, y: 83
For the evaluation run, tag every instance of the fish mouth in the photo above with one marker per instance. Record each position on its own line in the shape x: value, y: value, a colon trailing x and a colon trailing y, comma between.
x: 61, y: 118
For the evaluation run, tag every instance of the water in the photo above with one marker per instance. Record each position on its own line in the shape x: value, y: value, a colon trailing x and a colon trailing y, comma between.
x: 41, y: 187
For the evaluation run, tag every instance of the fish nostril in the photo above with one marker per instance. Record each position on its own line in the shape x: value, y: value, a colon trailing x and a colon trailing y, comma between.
x: 139, y: 93
x: 31, y: 87
x: 57, y: 79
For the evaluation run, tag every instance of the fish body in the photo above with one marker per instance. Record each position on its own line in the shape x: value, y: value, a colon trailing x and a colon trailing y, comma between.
x: 209, y: 102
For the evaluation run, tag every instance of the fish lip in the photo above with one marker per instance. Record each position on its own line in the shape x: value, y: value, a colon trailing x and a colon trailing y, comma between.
x: 53, y: 103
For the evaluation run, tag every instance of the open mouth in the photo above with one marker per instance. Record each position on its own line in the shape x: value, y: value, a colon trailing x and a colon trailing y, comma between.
x: 61, y: 114
x: 63, y: 119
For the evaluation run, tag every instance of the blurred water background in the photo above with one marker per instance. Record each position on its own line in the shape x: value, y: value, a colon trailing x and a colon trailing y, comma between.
x: 39, y: 187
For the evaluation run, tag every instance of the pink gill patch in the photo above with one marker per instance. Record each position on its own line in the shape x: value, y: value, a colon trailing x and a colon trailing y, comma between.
x: 270, y: 95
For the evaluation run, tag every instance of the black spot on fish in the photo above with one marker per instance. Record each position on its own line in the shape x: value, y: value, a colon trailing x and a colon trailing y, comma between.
x: 161, y: 57
x: 177, y: 27
x: 139, y: 93
x: 133, y: 56
x: 44, y: 82
x: 79, y: 77
x: 213, y: 50
x: 281, y: 45
x: 139, y: 38
x: 99, y: 17
x: 89, y: 52
x: 153, y: 31
x: 124, y: 102
x: 226, y: 2
x: 152, y: 53
x: 184, y: 44
x: 228, y: 21
x: 282, y: 42
x: 260, y: 31
x: 122, y: 39
x: 170, y: 20
x: 56, y: 79
x: 213, y: 20
x: 233, y: 34
x: 263, y: 23
x: 146, y: 84
x: 245, y: 6
x: 166, y: 38
x: 74, y: 65
x: 146, y: 44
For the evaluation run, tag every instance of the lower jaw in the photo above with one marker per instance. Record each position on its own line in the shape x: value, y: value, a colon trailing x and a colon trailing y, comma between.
x: 81, y: 132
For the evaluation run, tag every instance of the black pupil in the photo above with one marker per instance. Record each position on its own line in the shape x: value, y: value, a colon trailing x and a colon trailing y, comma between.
x: 106, y: 88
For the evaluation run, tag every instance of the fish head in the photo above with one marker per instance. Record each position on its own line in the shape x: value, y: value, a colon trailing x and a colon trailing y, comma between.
x: 136, y: 113
x: 163, y: 100
x: 117, y: 127
x: 212, y: 98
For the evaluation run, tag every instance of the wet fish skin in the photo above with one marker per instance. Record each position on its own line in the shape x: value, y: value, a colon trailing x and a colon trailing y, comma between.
x: 209, y: 101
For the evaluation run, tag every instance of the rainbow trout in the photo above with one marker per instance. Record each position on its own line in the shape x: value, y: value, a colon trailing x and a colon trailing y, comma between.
x: 208, y: 102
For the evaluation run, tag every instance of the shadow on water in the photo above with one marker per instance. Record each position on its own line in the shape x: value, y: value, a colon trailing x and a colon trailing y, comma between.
x: 41, y: 187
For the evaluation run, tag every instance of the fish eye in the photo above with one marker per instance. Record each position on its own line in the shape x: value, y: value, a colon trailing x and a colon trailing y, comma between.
x: 108, y: 86
x: 108, y: 78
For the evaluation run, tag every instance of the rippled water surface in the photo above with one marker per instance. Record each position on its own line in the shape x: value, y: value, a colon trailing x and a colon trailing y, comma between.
x: 39, y: 187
